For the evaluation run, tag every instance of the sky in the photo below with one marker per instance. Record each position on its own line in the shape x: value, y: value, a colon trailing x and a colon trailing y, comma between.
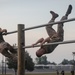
x: 34, y: 13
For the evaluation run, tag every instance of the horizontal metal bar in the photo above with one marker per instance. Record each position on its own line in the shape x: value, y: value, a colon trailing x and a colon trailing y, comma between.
x: 10, y: 32
x: 43, y: 25
x: 63, y: 42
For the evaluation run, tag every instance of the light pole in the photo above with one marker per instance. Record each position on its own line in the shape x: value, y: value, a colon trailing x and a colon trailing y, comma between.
x: 73, y: 60
x: 2, y: 64
x: 5, y: 66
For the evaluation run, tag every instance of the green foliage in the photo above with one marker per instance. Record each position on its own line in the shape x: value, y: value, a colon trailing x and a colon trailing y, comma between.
x: 29, y: 62
x: 11, y: 64
x: 65, y: 61
x: 29, y: 65
x: 43, y: 60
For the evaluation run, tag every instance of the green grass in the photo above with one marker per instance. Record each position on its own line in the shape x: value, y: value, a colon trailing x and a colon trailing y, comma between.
x: 39, y: 74
x: 42, y: 74
x: 48, y: 74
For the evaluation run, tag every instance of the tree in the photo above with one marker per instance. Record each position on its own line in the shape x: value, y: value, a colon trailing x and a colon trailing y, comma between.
x: 29, y: 65
x: 72, y: 62
x: 65, y: 61
x: 53, y: 63
x: 29, y: 62
x: 12, y: 64
x: 42, y: 60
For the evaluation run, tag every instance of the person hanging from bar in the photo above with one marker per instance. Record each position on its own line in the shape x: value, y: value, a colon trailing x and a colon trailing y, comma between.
x: 5, y: 48
x: 53, y: 35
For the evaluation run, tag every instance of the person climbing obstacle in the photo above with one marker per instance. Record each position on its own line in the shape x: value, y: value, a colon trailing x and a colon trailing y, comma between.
x: 53, y: 35
x: 5, y: 48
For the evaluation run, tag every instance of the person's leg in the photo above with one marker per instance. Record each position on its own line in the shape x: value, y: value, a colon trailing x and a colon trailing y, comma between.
x: 60, y: 30
x: 5, y: 49
x: 11, y: 49
x: 68, y: 10
x: 9, y: 55
x: 50, y: 32
x: 55, y: 36
x: 49, y: 29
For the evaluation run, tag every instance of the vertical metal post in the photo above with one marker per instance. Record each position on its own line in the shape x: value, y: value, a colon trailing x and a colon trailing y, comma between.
x: 2, y: 64
x: 21, y: 51
x: 73, y: 60
x: 5, y: 65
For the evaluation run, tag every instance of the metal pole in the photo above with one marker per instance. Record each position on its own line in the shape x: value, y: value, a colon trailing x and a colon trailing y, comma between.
x: 5, y: 66
x: 43, y: 25
x: 73, y: 60
x: 2, y: 64
x: 62, y: 42
x: 21, y: 51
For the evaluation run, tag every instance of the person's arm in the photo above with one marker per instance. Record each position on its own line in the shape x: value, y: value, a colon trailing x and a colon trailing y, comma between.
x: 4, y: 31
x: 46, y: 40
x: 39, y: 41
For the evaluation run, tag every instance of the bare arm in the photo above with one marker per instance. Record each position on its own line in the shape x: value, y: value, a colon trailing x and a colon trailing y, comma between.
x: 39, y: 41
x: 46, y: 40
